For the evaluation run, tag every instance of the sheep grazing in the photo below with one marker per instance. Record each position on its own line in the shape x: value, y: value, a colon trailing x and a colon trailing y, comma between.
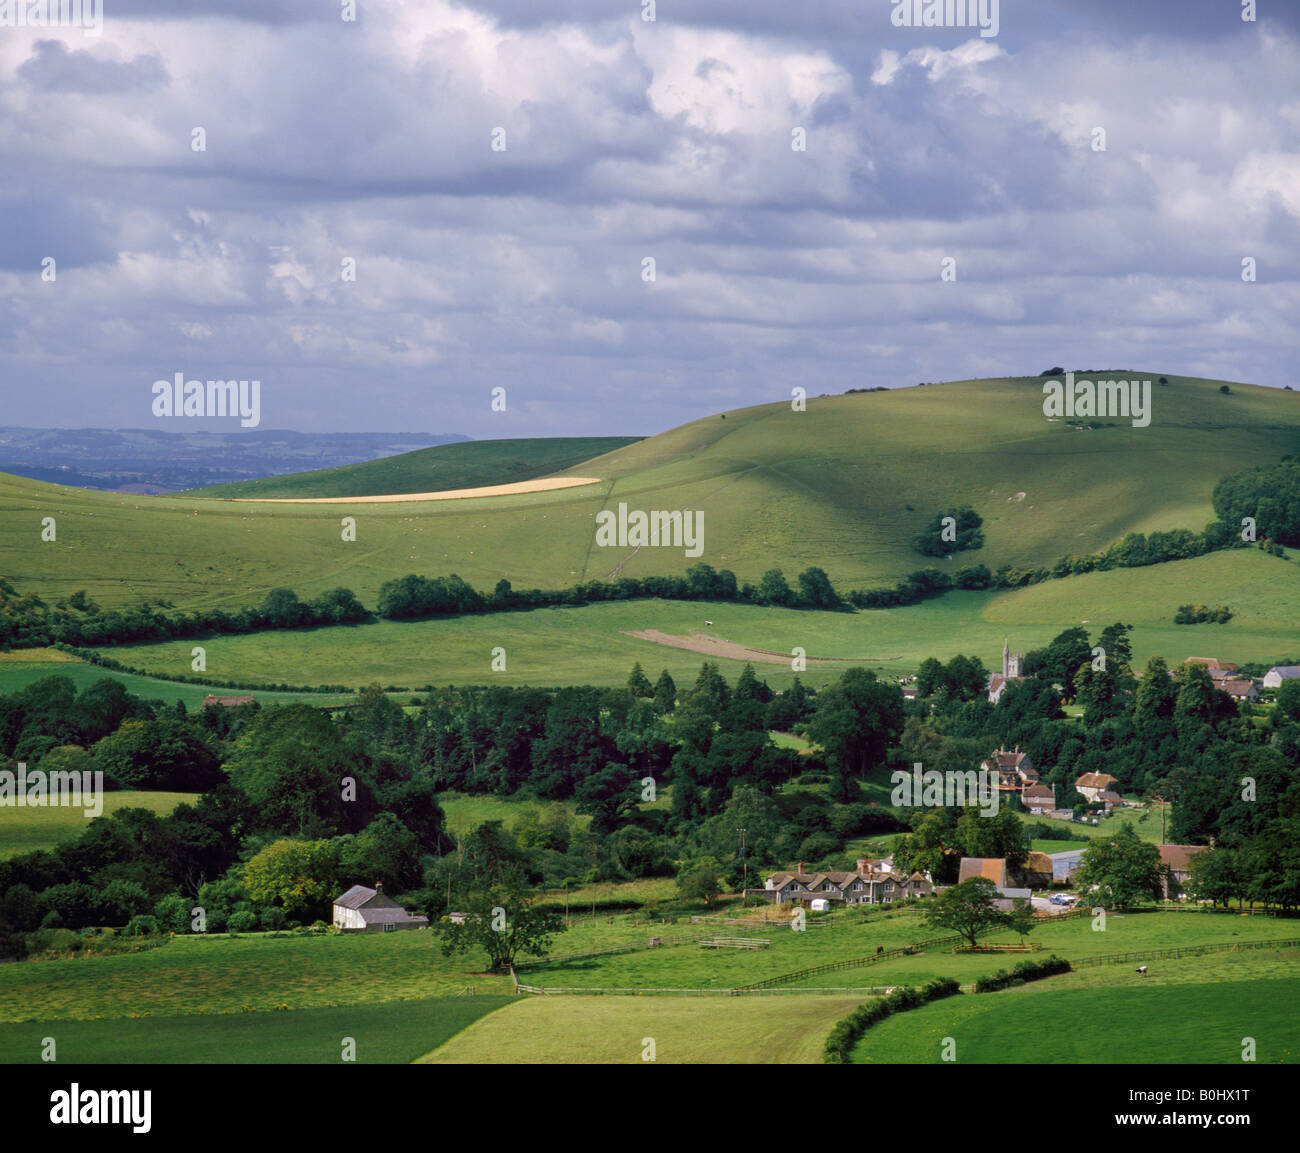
x: 1142, y: 969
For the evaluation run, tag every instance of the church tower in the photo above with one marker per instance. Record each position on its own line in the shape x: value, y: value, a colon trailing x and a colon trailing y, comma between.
x: 1012, y: 663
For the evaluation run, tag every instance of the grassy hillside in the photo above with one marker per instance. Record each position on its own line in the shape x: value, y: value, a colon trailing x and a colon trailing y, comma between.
x: 467, y: 465
x: 24, y: 830
x: 393, y: 1033
x: 20, y: 668
x: 844, y: 485
x: 284, y: 996
x: 590, y: 644
x: 1189, y: 1012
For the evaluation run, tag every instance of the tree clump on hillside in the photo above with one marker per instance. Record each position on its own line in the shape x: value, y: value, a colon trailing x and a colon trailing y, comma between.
x: 950, y: 532
x: 1201, y: 614
x: 1267, y: 496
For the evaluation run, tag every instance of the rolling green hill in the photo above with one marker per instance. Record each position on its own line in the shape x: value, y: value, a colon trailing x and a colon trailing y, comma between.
x: 591, y: 644
x: 465, y: 465
x: 844, y: 485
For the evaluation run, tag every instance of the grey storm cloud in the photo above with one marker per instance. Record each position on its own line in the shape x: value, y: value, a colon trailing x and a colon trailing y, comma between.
x: 53, y: 68
x: 621, y: 141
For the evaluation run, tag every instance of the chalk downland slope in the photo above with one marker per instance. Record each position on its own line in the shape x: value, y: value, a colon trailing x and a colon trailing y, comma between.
x: 471, y: 464
x: 845, y: 485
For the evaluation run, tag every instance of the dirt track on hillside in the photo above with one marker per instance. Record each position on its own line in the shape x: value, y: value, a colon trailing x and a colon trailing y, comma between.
x: 522, y: 486
x: 715, y: 646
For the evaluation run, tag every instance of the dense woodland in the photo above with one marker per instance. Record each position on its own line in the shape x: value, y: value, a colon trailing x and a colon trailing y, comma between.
x: 298, y: 803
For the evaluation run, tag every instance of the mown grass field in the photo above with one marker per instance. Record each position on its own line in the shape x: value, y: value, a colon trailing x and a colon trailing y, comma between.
x: 614, y: 1031
x: 468, y: 464
x: 1185, y: 1012
x: 589, y: 644
x: 24, y: 830
x: 844, y: 485
x: 395, y: 1032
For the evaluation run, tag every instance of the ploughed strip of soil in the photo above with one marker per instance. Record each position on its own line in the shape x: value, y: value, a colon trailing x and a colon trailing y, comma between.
x: 715, y: 646
x: 521, y: 486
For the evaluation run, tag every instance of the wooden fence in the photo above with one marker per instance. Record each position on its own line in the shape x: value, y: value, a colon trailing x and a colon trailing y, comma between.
x: 761, y: 922
x: 765, y: 988
x: 1183, y: 951
x: 1032, y: 947
x: 735, y: 943
x: 588, y: 991
x: 852, y: 963
x: 1215, y: 910
x: 652, y: 943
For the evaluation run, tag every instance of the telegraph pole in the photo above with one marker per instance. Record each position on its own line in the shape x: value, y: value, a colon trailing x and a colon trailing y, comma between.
x: 745, y: 861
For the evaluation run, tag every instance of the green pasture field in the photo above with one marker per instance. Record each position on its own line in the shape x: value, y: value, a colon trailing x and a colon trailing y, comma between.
x: 1056, y: 846
x: 24, y: 830
x: 590, y: 645
x: 468, y: 464
x: 1073, y: 939
x: 1183, y: 1012
x: 790, y: 741
x: 647, y: 890
x: 466, y: 811
x: 685, y: 1030
x: 20, y: 668
x: 394, y: 1032
x: 845, y: 485
x: 1145, y: 822
x: 219, y: 973
x: 852, y: 935
x: 320, y: 988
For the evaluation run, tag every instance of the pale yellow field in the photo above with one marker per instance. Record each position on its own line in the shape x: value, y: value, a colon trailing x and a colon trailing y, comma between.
x: 581, y: 1030
x: 545, y: 484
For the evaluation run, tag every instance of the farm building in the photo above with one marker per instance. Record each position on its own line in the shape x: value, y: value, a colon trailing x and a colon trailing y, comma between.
x: 1278, y: 673
x: 991, y: 869
x: 225, y: 702
x: 1038, y: 799
x: 1177, y: 862
x: 1092, y: 785
x: 1036, y: 872
x: 1239, y: 690
x: 1216, y: 668
x: 1065, y: 863
x: 1110, y: 799
x: 362, y: 910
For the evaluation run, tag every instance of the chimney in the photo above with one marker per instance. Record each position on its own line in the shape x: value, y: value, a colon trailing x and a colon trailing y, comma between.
x: 801, y: 866
x: 379, y: 886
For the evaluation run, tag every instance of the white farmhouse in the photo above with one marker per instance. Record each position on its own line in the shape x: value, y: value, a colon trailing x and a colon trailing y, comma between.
x: 362, y: 910
x: 1278, y: 673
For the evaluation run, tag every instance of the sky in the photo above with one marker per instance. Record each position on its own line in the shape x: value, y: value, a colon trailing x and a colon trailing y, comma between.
x: 501, y: 172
